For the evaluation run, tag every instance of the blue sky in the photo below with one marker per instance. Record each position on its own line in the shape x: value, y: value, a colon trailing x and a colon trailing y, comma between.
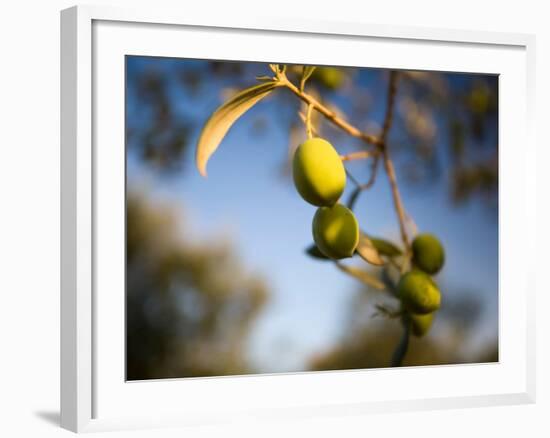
x: 246, y: 200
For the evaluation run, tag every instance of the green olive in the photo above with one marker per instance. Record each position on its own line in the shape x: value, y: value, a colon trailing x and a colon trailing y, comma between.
x: 318, y: 172
x: 418, y: 292
x: 420, y: 324
x: 335, y: 231
x: 330, y: 77
x: 479, y: 100
x: 428, y: 253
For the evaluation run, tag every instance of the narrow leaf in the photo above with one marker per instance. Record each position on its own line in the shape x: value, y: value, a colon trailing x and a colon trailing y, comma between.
x: 362, y: 275
x: 223, y: 118
x: 314, y: 252
x: 385, y: 247
x: 368, y: 252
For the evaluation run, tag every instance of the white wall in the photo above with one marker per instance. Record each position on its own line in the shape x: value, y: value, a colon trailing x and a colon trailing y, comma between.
x: 29, y: 218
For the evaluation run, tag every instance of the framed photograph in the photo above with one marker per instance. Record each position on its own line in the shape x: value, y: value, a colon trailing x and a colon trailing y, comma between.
x: 275, y: 218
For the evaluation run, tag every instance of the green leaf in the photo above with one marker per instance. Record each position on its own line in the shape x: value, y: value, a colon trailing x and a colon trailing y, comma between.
x: 368, y: 251
x: 362, y: 275
x: 314, y: 252
x: 385, y: 247
x: 223, y: 118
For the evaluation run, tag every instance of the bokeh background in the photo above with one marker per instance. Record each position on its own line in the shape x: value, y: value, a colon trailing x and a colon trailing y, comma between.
x: 218, y: 280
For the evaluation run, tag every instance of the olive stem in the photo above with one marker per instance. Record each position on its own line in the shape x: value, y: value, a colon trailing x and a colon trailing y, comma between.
x: 401, y: 350
x: 359, y: 155
x: 302, y: 116
x: 330, y: 115
x: 309, y: 128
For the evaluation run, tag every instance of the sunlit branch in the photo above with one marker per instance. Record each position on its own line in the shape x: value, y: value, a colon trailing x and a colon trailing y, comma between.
x: 388, y: 164
x: 329, y: 114
x: 359, y: 155
x: 381, y: 151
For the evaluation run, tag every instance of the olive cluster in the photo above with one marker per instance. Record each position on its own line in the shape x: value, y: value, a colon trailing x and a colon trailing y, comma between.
x: 418, y: 292
x: 320, y: 179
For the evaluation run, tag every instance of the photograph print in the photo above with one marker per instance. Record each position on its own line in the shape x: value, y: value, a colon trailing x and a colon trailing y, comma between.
x: 297, y: 218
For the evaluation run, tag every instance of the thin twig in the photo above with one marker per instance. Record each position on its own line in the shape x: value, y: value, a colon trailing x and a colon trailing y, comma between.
x: 388, y: 164
x: 359, y: 188
x: 309, y: 129
x: 390, y: 170
x: 314, y: 130
x: 330, y: 115
x: 388, y: 119
x: 353, y: 179
x: 372, y: 179
x: 412, y: 225
x: 359, y: 155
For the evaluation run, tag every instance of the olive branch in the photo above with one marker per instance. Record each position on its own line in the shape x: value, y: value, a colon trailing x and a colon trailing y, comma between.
x: 377, y: 252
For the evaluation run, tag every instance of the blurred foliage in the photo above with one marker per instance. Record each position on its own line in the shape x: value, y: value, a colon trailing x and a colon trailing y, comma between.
x: 331, y: 78
x: 451, y: 127
x: 189, y: 306
x: 369, y: 342
x: 165, y: 137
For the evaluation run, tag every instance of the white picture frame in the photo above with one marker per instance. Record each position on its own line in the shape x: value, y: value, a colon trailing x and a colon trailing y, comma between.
x: 93, y: 396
